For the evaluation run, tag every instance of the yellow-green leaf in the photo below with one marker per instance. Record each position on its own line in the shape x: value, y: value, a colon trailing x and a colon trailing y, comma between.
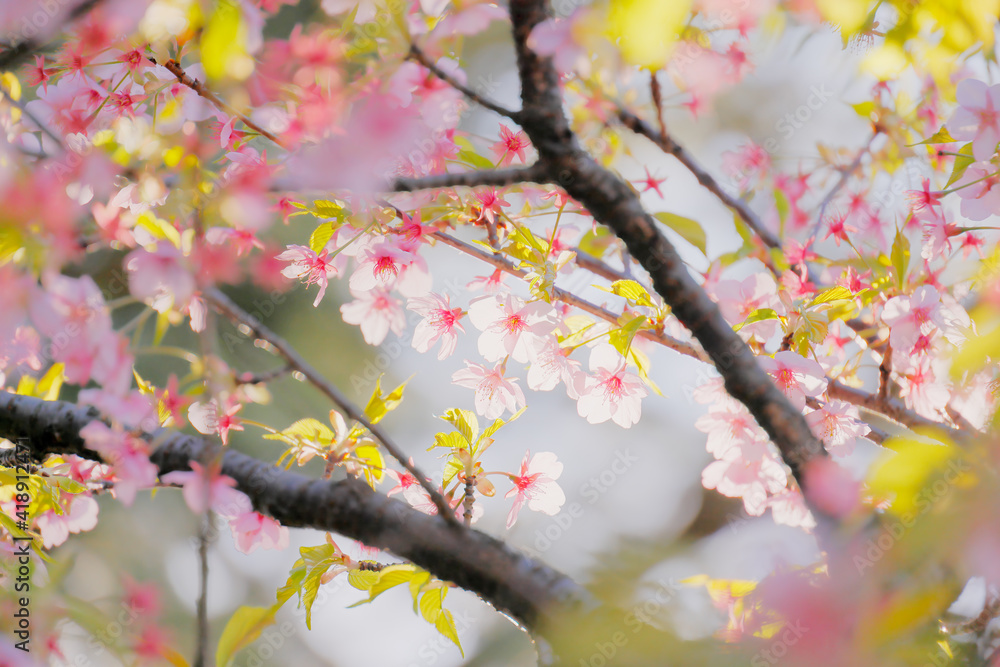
x: 242, y: 629
x: 633, y: 291
x: 962, y: 163
x: 900, y: 257
x: 321, y: 236
x: 903, y: 474
x: 465, y: 421
x: 379, y: 405
x: 223, y: 43
x: 621, y: 338
x: 686, y: 228
x: 646, y: 30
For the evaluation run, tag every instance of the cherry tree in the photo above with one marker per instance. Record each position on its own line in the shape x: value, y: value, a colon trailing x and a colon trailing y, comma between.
x: 161, y: 155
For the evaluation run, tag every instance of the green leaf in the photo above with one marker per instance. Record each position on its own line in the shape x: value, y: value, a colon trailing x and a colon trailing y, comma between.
x: 688, y: 229
x: 758, y: 315
x: 475, y: 159
x: 321, y: 236
x: 465, y: 421
x: 304, y: 430
x: 622, y: 337
x: 633, y: 291
x: 452, y: 440
x: 452, y: 467
x: 363, y: 580
x: 324, y: 208
x: 223, y: 43
x: 379, y: 406
x: 837, y: 293
x: 242, y: 629
x: 900, y: 257
x: 962, y: 163
x: 939, y: 137
x: 864, y: 109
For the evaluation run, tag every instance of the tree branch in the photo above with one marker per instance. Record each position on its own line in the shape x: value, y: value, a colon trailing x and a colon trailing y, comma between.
x: 707, y: 181
x: 228, y: 307
x: 496, y: 177
x: 531, y: 592
x: 417, y: 55
x: 197, y: 86
x: 614, y: 204
x: 568, y: 297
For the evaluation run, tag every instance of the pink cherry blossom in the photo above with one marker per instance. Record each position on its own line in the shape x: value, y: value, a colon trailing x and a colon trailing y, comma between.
x: 132, y: 409
x: 788, y: 508
x: 79, y: 516
x: 536, y: 485
x: 440, y: 322
x: 491, y: 284
x: 209, y: 418
x: 312, y: 267
x: 920, y: 388
x: 253, y: 529
x: 550, y: 365
x: 753, y: 481
x: 740, y: 298
x: 208, y: 489
x: 977, y: 118
x: 128, y: 456
x: 491, y: 204
x: 159, y: 277
x: 494, y: 392
x: 377, y: 311
x: 979, y: 190
x: 386, y: 265
x: 510, y: 327
x: 728, y: 425
x: 838, y: 424
x: 909, y: 317
x: 611, y: 391
x: 511, y: 145
x: 796, y: 376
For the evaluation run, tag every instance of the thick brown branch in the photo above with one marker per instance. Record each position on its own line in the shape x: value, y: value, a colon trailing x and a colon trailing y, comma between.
x: 614, y: 204
x: 471, y: 179
x: 417, y: 55
x: 531, y: 592
x: 227, y: 307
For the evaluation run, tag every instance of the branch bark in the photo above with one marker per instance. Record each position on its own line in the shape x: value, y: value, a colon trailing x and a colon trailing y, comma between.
x: 531, y: 592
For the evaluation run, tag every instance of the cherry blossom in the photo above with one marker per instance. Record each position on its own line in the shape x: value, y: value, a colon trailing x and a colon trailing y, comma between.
x: 128, y: 456
x: 494, y: 392
x: 977, y: 118
x: 838, y: 424
x: 80, y: 515
x: 979, y: 190
x: 536, y: 485
x: 377, y: 311
x: 796, y: 376
x: 159, y: 277
x: 209, y: 418
x: 314, y: 268
x: 440, y: 322
x: 753, y: 481
x: 252, y: 530
x: 910, y: 317
x: 383, y: 265
x: 510, y: 327
x: 206, y: 489
x: 611, y: 391
x: 511, y: 145
x: 550, y: 365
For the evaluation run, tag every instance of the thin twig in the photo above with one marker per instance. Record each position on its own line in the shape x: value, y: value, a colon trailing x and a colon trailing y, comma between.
x: 471, y: 179
x: 568, y: 297
x: 707, y: 181
x: 38, y: 123
x: 18, y: 52
x: 201, y: 650
x: 657, y: 95
x: 884, y: 376
x: 417, y: 55
x: 197, y: 86
x: 845, y: 175
x: 228, y: 307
